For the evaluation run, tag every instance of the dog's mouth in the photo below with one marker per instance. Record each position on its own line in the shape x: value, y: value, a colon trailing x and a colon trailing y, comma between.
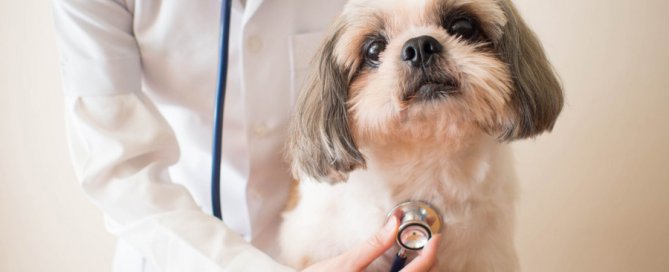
x: 431, y: 89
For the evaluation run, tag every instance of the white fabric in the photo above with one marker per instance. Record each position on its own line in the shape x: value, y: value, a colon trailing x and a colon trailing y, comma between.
x: 139, y: 80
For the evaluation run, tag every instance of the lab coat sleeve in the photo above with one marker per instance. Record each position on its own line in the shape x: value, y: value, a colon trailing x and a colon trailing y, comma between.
x: 121, y: 148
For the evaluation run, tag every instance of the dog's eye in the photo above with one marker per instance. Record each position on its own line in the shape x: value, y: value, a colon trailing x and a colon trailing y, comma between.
x: 373, y: 50
x: 464, y: 27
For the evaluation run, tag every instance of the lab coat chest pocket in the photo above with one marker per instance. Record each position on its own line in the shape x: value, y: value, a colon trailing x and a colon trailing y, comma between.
x: 303, y: 48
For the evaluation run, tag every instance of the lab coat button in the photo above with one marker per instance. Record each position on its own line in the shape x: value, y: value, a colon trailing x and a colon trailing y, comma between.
x: 261, y: 129
x: 254, y: 44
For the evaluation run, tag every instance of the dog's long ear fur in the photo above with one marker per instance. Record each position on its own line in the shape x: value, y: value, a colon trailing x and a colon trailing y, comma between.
x: 321, y: 145
x: 537, y: 98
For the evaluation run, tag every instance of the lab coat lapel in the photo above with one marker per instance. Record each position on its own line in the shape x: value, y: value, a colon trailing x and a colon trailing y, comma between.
x: 236, y: 5
x: 251, y: 7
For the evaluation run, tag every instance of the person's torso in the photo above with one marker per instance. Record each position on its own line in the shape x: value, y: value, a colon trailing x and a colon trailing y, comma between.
x: 271, y: 44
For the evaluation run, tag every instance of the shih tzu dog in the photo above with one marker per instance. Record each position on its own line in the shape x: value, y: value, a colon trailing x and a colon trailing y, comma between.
x: 416, y: 100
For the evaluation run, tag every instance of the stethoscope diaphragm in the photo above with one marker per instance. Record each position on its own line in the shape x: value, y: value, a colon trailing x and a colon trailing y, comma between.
x: 418, y: 222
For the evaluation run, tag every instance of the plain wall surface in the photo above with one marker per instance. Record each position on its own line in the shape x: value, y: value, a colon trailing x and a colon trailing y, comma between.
x: 46, y: 224
x: 595, y: 192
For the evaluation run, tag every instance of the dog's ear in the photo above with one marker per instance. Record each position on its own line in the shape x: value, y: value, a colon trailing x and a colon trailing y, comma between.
x: 537, y: 98
x: 321, y: 145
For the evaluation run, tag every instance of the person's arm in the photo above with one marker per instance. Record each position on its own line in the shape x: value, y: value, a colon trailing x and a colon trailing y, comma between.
x: 121, y: 148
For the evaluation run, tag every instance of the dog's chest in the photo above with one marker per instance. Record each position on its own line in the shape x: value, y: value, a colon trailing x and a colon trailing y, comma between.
x: 330, y: 219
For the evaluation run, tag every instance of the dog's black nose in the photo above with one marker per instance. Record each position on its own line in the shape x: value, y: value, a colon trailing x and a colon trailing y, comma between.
x: 420, y: 51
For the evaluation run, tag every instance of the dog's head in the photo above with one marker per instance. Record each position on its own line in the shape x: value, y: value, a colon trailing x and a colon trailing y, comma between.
x: 428, y: 70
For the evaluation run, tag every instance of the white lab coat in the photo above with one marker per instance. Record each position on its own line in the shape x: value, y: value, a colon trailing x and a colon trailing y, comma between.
x: 139, y: 79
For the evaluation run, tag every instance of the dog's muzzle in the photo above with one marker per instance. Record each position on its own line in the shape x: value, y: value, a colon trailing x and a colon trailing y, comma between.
x: 427, y: 81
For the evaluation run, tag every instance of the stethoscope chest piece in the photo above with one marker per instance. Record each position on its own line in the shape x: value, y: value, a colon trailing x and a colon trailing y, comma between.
x: 418, y: 221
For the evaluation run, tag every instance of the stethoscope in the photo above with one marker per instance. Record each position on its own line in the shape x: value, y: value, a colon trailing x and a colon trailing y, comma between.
x: 219, y: 108
x: 418, y: 220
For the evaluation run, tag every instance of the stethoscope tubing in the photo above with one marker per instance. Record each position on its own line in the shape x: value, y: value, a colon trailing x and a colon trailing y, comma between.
x: 400, y: 260
x: 219, y: 109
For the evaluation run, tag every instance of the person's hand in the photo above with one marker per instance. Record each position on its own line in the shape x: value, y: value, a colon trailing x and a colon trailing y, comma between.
x: 358, y: 258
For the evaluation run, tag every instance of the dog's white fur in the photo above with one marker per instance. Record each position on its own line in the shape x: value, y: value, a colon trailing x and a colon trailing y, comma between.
x: 446, y: 152
x: 474, y: 191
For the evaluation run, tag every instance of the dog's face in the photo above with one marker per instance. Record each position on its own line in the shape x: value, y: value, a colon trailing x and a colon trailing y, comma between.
x: 415, y: 71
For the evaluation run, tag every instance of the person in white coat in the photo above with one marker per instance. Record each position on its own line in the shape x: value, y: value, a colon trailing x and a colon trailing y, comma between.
x: 139, y: 80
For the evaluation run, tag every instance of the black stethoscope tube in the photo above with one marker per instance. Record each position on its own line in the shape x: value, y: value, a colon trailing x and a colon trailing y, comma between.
x: 399, y: 262
x: 226, y: 6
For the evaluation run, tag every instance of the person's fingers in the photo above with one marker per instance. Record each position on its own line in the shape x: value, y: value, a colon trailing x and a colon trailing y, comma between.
x: 427, y: 257
x: 365, y: 253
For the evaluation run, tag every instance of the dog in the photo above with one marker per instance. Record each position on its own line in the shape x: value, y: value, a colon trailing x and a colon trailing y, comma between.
x: 417, y: 100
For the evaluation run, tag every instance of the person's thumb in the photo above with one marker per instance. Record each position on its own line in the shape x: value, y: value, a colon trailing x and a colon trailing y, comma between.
x: 365, y: 253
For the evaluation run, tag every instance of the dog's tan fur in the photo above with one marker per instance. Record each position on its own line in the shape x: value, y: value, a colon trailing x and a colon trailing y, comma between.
x: 365, y: 122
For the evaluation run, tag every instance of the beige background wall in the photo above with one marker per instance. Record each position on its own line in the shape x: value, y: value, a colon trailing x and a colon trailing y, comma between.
x: 46, y: 224
x: 595, y: 193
